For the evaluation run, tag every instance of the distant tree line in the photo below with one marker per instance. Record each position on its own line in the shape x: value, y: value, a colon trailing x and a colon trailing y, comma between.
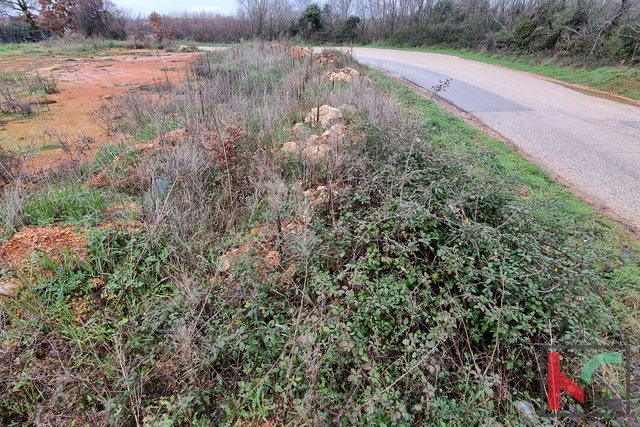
x: 31, y: 20
x: 593, y: 29
x: 607, y: 30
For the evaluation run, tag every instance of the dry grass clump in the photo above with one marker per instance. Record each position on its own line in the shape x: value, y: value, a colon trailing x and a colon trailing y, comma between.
x: 354, y: 284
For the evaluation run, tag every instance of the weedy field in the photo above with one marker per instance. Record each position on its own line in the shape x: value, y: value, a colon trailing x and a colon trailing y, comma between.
x: 294, y: 239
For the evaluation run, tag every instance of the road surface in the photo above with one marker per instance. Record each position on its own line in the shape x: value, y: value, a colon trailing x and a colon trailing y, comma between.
x: 589, y: 143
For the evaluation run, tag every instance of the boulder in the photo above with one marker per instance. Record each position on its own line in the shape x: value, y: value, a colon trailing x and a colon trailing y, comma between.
x: 316, y: 146
x: 291, y: 147
x: 175, y: 136
x: 316, y: 151
x: 325, y: 116
x: 273, y: 258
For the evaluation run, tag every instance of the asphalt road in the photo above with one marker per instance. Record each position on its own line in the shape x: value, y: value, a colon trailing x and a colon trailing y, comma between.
x: 589, y: 143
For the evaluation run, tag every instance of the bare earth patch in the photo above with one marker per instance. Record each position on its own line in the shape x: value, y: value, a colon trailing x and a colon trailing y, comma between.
x: 84, y: 84
x: 52, y: 240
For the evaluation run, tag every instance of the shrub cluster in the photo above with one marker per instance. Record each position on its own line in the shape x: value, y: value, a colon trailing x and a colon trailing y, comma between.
x: 396, y: 280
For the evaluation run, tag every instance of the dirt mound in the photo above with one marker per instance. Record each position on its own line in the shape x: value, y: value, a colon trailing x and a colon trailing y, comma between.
x: 343, y: 75
x: 176, y: 136
x: 52, y: 240
x: 316, y: 146
x: 296, y: 52
x: 330, y: 58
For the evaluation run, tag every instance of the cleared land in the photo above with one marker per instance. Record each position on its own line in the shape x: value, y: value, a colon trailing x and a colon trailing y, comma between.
x: 73, y: 120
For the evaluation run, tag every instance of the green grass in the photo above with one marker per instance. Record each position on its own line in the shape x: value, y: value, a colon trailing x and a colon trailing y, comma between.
x: 620, y: 80
x: 155, y: 129
x: 186, y: 42
x: 621, y: 247
x: 20, y: 49
x: 67, y: 205
x: 10, y: 76
x: 58, y: 47
x: 411, y: 295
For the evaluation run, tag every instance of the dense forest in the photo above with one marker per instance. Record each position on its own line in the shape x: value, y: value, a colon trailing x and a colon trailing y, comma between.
x: 597, y: 30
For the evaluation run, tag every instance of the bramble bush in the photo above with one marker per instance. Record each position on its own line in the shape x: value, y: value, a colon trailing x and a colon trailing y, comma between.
x: 410, y: 288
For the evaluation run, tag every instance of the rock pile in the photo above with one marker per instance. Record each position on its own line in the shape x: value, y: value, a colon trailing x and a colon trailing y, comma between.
x: 324, y: 116
x: 343, y: 75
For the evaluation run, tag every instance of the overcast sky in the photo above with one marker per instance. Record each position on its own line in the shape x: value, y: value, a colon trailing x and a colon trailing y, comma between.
x: 165, y: 7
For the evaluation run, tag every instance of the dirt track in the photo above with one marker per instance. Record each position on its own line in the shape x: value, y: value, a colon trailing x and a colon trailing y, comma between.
x: 84, y: 84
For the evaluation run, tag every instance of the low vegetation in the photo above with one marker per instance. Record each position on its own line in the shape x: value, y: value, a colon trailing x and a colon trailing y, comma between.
x: 248, y: 261
x: 24, y: 95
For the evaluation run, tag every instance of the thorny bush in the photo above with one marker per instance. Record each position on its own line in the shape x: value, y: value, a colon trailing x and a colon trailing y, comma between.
x: 394, y: 281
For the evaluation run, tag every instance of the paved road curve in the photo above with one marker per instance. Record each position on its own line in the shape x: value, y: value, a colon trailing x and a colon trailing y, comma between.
x: 589, y: 143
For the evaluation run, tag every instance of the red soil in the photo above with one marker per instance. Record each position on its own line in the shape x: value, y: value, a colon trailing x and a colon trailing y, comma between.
x: 84, y: 85
x: 52, y: 240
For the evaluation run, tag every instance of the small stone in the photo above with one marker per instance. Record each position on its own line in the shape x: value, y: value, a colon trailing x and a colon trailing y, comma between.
x: 343, y: 75
x: 525, y: 409
x: 290, y: 147
x: 8, y: 288
x: 224, y: 264
x: 273, y: 258
x: 316, y: 152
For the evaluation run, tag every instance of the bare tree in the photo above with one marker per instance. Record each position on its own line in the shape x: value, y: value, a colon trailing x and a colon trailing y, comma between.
x: 342, y: 8
x: 208, y: 26
x: 301, y: 5
x: 263, y: 15
x: 28, y: 9
x: 116, y: 20
x: 89, y: 16
x: 256, y: 11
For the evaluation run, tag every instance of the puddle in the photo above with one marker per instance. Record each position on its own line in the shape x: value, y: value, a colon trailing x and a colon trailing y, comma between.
x: 599, y: 94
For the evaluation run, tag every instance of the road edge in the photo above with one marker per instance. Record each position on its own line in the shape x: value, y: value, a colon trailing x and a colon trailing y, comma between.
x: 627, y: 224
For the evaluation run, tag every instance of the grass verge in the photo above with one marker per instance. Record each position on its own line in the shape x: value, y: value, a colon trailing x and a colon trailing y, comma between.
x: 65, y: 46
x: 620, y: 80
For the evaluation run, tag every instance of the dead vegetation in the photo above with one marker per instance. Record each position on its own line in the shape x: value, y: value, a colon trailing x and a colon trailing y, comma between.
x: 24, y: 94
x: 279, y: 248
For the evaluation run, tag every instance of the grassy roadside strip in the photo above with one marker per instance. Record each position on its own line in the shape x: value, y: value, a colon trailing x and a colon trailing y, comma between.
x: 458, y: 136
x: 621, y: 80
x: 187, y: 42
